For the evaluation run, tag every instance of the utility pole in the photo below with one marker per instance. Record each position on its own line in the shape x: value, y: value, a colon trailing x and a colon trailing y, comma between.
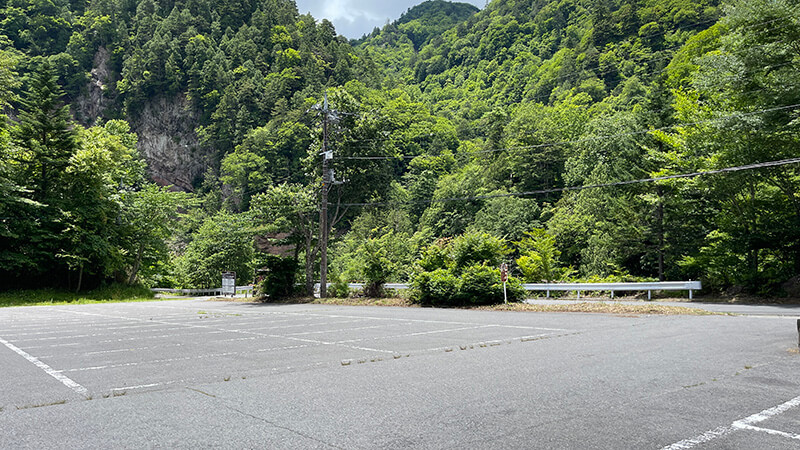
x: 323, y: 210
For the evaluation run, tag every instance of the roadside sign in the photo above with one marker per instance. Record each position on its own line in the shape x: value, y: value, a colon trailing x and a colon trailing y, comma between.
x: 229, y: 283
x: 504, y: 279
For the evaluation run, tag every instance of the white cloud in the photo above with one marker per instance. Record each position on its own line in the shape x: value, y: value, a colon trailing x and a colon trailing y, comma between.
x: 354, y: 18
x: 338, y: 10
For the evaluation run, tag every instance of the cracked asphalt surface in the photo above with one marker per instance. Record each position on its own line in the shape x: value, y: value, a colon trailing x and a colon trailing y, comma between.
x: 194, y: 373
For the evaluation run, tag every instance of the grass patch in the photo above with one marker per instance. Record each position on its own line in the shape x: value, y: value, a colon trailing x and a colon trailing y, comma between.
x: 603, y: 308
x: 42, y: 297
x: 587, y: 307
x: 392, y: 301
x: 389, y: 301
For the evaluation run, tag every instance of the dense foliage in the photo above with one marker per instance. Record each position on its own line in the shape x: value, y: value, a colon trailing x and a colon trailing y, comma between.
x: 458, y: 139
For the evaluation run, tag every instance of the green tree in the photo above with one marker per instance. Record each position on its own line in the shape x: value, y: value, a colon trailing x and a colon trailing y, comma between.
x: 148, y: 215
x: 291, y: 209
x: 45, y: 134
x: 740, y: 94
x: 223, y: 243
x: 539, y: 258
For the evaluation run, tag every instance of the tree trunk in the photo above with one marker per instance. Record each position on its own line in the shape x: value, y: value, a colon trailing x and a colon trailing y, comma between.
x: 310, y: 256
x: 80, y: 279
x: 137, y: 264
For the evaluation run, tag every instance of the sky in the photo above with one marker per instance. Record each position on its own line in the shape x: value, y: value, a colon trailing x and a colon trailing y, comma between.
x: 355, y: 18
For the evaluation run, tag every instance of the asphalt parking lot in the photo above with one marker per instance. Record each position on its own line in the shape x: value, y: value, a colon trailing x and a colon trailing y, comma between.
x: 195, y: 373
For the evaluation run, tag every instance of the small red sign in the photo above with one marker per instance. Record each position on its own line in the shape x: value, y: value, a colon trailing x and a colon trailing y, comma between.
x: 504, y: 272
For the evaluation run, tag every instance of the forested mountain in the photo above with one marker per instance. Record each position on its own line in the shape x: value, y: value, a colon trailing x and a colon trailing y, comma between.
x: 458, y: 138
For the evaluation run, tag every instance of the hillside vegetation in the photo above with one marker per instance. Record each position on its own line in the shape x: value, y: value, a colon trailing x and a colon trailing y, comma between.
x: 461, y: 139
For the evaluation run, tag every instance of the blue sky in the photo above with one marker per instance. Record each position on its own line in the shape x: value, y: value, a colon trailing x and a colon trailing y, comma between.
x: 354, y: 18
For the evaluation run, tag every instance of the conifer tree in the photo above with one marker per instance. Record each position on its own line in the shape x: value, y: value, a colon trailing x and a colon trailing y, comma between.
x: 45, y: 133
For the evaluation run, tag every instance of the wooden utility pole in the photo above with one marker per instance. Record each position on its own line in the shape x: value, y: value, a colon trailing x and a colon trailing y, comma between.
x: 323, y: 210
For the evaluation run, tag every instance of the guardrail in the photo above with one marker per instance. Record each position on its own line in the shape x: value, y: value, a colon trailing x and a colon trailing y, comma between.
x: 202, y: 292
x: 690, y: 286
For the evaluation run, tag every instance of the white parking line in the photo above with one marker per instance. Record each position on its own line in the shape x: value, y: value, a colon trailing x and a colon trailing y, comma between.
x: 768, y: 431
x: 418, y: 333
x: 66, y: 381
x: 742, y: 424
x: 220, y: 330
x: 347, y: 316
x: 183, y: 358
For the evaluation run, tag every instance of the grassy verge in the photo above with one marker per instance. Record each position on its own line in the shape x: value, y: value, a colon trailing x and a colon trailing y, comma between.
x: 40, y: 297
x: 587, y: 307
x: 603, y: 308
x: 403, y: 302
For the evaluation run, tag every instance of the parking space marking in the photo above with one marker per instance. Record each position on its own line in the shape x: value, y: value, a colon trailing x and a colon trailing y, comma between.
x: 66, y: 381
x: 418, y: 333
x: 135, y: 338
x: 397, y: 319
x: 742, y: 424
x: 220, y: 330
x: 182, y: 358
x: 301, y: 329
x: 13, y: 337
x: 767, y: 430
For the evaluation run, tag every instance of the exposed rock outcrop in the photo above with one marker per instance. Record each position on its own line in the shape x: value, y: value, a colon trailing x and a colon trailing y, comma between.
x: 165, y: 126
x: 93, y: 103
x: 168, y: 142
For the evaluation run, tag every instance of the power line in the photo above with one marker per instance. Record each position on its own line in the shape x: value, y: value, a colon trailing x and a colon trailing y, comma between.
x: 654, y: 111
x: 639, y: 132
x: 761, y: 165
x: 588, y: 139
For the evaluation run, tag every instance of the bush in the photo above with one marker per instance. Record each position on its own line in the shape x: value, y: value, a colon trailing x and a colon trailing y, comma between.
x: 436, y: 256
x: 377, y: 268
x: 477, y: 248
x: 374, y: 260
x: 279, y: 275
x: 478, y: 285
x: 462, y: 272
x: 339, y: 287
x: 438, y: 287
x: 481, y: 285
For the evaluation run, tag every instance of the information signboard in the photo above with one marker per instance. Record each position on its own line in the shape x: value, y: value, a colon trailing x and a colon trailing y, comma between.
x: 229, y: 283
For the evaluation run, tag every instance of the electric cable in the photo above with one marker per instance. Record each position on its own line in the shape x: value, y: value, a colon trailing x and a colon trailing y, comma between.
x: 761, y: 165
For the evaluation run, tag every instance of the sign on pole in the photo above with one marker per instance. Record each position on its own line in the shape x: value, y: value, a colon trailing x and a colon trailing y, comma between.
x: 229, y: 283
x: 504, y: 278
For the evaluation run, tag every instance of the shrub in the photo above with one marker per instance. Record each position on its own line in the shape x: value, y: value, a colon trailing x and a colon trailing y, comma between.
x: 438, y: 287
x: 477, y: 248
x: 478, y: 285
x: 374, y: 260
x: 436, y: 256
x: 339, y: 287
x: 481, y: 285
x: 279, y: 276
x: 377, y: 268
x: 539, y: 260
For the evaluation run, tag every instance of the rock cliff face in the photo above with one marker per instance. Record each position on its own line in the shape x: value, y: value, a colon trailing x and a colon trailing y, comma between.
x: 94, y: 102
x: 168, y: 142
x: 165, y: 126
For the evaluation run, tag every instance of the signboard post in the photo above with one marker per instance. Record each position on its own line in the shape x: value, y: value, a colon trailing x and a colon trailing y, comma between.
x: 229, y: 283
x: 504, y: 278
